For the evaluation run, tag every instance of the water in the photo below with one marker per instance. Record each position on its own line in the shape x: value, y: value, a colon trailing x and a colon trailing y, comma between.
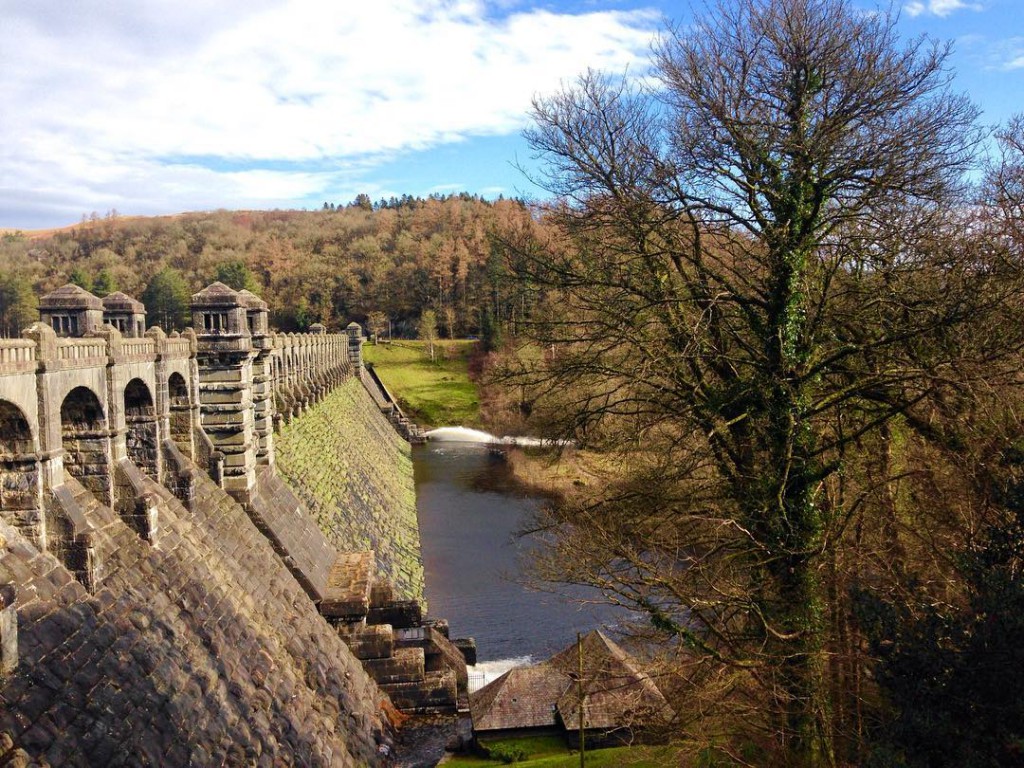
x: 467, y: 435
x: 469, y: 512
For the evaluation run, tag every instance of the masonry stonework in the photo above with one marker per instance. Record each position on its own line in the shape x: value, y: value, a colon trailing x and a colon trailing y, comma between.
x: 163, y: 593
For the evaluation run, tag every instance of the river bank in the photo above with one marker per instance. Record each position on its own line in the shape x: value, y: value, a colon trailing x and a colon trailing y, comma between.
x: 450, y: 391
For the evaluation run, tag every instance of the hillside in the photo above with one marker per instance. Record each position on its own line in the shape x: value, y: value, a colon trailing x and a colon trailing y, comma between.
x: 396, y: 257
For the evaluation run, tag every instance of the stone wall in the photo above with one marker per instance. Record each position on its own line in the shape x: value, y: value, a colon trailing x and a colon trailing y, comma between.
x: 144, y: 626
x: 354, y: 474
x: 198, y: 650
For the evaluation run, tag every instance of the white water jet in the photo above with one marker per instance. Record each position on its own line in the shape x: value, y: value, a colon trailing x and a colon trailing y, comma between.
x: 467, y: 435
x: 460, y: 435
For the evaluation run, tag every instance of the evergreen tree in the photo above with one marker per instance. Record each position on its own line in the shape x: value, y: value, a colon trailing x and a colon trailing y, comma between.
x: 237, y: 275
x: 104, y: 284
x: 80, y: 277
x: 167, y: 300
x: 19, y: 305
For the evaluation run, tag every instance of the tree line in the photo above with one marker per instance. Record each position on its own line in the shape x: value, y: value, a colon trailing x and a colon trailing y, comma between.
x: 398, y: 258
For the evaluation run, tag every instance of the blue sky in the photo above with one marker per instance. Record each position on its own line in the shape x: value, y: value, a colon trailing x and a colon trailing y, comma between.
x: 161, y: 106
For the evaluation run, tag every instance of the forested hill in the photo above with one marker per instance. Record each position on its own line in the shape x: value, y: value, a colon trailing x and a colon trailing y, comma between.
x: 398, y: 257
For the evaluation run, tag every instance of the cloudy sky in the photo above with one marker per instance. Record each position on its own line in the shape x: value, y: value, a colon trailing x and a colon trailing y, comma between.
x: 160, y: 106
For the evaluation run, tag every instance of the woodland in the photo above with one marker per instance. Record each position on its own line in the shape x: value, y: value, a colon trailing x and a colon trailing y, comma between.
x: 394, y: 259
x: 777, y: 290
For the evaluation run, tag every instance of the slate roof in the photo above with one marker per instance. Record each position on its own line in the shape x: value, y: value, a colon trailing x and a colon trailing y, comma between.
x: 122, y: 302
x: 523, y: 697
x: 70, y: 296
x: 617, y: 691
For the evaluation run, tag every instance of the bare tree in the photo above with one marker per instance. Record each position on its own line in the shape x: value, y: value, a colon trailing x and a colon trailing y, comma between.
x: 377, y: 322
x: 428, y: 330
x: 757, y: 270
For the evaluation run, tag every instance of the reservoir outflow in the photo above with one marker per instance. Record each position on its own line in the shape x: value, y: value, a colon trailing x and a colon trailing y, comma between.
x: 469, y: 513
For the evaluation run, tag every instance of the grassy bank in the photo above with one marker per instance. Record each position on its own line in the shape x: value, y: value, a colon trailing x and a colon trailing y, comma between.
x: 435, y: 393
x: 551, y: 752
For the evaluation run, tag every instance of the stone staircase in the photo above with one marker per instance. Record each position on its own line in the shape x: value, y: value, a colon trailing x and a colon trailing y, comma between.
x: 412, y: 660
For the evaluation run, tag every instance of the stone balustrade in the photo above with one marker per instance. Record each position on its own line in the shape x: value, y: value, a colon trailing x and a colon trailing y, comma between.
x: 17, y: 355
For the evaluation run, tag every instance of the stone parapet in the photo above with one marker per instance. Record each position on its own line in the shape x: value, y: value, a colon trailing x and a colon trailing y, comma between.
x: 17, y: 356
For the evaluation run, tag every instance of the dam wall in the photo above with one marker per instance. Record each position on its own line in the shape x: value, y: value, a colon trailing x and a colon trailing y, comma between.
x: 166, y: 598
x: 199, y: 648
x: 353, y: 472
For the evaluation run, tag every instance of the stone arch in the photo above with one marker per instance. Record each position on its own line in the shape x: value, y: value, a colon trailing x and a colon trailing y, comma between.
x: 140, y: 420
x: 86, y: 442
x: 181, y: 413
x: 19, y: 473
x: 15, y: 432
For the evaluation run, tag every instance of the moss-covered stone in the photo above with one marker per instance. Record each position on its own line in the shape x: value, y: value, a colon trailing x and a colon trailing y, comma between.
x: 354, y: 473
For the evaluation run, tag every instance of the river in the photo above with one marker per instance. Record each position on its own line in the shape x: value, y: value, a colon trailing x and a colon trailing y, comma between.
x: 469, y: 512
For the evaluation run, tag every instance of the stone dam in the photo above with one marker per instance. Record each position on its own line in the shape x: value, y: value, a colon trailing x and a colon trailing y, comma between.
x: 209, y: 552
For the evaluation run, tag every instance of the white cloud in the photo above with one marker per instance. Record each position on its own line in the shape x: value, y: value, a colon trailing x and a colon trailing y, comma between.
x: 189, y: 104
x: 1009, y: 54
x: 939, y: 7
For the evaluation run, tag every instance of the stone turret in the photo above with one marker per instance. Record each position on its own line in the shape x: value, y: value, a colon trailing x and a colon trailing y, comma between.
x: 257, y: 316
x: 71, y: 311
x: 257, y: 319
x: 219, y: 312
x: 126, y: 314
x: 225, y: 355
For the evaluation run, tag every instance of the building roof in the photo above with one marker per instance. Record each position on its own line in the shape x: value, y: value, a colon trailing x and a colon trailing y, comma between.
x: 70, y: 296
x: 251, y: 301
x: 523, y: 697
x: 217, y: 295
x: 617, y: 691
x: 122, y: 302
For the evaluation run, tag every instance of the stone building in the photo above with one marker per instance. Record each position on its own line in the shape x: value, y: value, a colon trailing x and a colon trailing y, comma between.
x: 619, y: 703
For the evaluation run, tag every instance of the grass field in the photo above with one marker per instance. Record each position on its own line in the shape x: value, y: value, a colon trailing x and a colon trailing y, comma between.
x: 433, y: 394
x: 551, y: 752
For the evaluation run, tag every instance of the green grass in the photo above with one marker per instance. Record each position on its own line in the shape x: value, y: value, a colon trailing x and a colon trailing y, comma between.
x: 433, y: 394
x: 551, y: 752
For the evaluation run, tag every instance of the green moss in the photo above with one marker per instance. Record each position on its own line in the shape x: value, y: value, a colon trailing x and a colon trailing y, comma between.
x: 355, y: 475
